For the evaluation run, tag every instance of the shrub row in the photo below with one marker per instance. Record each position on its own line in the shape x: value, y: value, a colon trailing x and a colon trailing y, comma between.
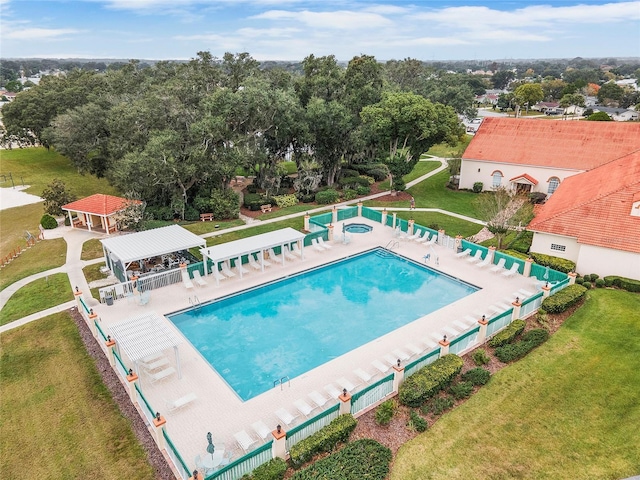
x: 514, y: 351
x: 559, y: 264
x: 565, y: 298
x: 429, y: 380
x: 507, y: 335
x: 272, y: 470
x: 477, y: 376
x: 283, y: 201
x: 360, y: 459
x: 327, y: 196
x: 324, y: 440
x: 627, y: 284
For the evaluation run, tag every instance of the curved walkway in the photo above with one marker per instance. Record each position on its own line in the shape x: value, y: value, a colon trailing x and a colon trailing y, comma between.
x: 75, y: 238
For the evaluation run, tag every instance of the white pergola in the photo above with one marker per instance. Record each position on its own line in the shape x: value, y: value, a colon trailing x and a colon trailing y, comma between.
x: 149, y: 243
x: 144, y: 336
x: 256, y: 244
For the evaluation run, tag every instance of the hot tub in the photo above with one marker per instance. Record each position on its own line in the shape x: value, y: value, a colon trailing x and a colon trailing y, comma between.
x: 357, y: 228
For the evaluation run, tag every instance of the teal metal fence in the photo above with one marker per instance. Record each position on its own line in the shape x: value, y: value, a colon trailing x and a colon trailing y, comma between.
x: 175, y: 457
x: 86, y: 309
x: 474, y: 248
x: 464, y: 341
x: 121, y: 367
x: 245, y: 464
x: 372, y: 394
x: 148, y: 412
x: 311, y: 426
x: 499, y: 322
x: 509, y: 260
x: 322, y: 219
x: 389, y: 221
x: 371, y: 214
x: 416, y: 365
x: 99, y: 330
x: 559, y: 286
x: 530, y: 305
x: 347, y: 213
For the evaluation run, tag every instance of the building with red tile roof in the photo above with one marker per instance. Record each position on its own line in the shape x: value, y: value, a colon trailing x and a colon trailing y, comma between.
x: 534, y: 155
x: 593, y: 219
x: 96, y: 212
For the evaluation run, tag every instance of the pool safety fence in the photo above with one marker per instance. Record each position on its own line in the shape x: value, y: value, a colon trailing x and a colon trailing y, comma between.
x: 474, y: 248
x: 559, y: 286
x: 100, y: 331
x: 372, y: 394
x: 347, y: 213
x: 531, y: 305
x: 322, y: 219
x: 390, y: 221
x: 508, y: 261
x: 311, y: 426
x: 173, y: 454
x: 244, y: 464
x: 121, y: 368
x: 423, y: 361
x: 86, y: 309
x: 499, y: 322
x: 464, y: 341
x: 371, y: 214
x: 149, y: 413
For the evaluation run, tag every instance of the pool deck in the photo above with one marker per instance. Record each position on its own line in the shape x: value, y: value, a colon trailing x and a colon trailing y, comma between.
x: 219, y: 410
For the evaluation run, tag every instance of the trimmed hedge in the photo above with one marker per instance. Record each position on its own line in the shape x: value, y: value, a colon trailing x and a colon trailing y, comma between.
x: 565, y: 298
x: 514, y: 351
x: 559, y: 264
x: 283, y: 201
x: 327, y: 196
x: 324, y: 440
x: 627, y: 284
x: 507, y: 335
x: 356, y: 461
x: 477, y: 376
x: 272, y: 470
x: 48, y: 222
x: 429, y: 380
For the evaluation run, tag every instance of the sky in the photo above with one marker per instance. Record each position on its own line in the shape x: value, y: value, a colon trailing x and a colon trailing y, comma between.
x: 293, y: 29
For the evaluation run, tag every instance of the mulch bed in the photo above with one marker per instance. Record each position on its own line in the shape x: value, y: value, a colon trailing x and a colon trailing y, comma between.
x: 109, y: 377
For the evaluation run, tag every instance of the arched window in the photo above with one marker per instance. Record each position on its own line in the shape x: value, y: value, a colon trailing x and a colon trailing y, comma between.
x: 553, y: 184
x: 497, y: 179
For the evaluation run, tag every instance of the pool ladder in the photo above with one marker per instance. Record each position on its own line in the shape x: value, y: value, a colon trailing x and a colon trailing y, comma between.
x: 281, y: 382
x: 195, y: 302
x: 392, y: 244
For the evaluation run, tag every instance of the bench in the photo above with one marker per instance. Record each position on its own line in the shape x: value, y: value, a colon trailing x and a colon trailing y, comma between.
x: 206, y: 216
x: 265, y: 208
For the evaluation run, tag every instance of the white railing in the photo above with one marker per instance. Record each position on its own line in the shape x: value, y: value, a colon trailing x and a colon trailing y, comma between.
x: 531, y: 306
x: 149, y: 282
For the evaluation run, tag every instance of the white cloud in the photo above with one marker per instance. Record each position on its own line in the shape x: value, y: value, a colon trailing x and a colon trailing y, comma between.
x: 269, y: 32
x: 337, y: 20
x: 38, y: 33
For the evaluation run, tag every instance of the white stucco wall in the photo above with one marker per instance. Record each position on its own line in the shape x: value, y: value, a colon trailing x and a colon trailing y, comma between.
x: 607, y: 261
x: 542, y: 244
x: 469, y: 174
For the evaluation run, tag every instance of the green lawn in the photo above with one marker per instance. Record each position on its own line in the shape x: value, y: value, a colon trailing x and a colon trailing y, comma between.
x: 42, y: 256
x: 452, y: 225
x: 447, y: 151
x: 15, y: 222
x: 36, y: 296
x: 91, y: 249
x: 57, y: 419
x: 420, y: 169
x: 297, y: 223
x: 569, y: 410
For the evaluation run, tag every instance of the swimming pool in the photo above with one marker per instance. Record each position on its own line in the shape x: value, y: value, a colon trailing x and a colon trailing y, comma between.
x: 288, y: 327
x: 358, y: 228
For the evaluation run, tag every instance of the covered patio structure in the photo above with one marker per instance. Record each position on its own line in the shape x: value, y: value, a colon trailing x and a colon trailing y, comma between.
x: 257, y: 244
x: 120, y: 252
x: 96, y: 213
x: 146, y: 336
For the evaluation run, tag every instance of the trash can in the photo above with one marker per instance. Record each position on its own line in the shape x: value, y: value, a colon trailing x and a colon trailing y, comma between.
x: 109, y: 299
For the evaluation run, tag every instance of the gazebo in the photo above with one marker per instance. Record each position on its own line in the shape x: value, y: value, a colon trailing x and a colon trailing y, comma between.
x: 96, y: 213
x: 256, y: 244
x: 146, y: 336
x: 120, y: 252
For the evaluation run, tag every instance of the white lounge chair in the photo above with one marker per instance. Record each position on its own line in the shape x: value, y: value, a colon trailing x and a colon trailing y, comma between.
x: 464, y: 253
x: 323, y: 244
x: 512, y: 271
x: 253, y: 263
x: 296, y: 250
x: 364, y: 376
x: 476, y: 257
x: 182, y: 401
x: 154, y: 364
x: 401, y: 354
x: 161, y: 374
x: 303, y: 407
x: 344, y: 383
x: 432, y: 240
x: 484, y: 263
x: 216, y: 274
x: 381, y: 367
x: 240, y: 268
x: 287, y: 253
x: 414, y: 349
x: 498, y: 266
x: 244, y: 440
x: 317, y: 398
x: 261, y: 429
x: 198, y: 278
x: 424, y: 237
x: 317, y: 246
x: 390, y: 359
x: 524, y: 293
x: 226, y: 271
x: 186, y: 281
x: 414, y: 236
x: 332, y: 391
x: 274, y: 257
x: 286, y: 417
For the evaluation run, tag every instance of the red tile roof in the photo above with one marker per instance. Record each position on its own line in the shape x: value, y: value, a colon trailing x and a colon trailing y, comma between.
x: 526, y: 176
x: 595, y: 207
x: 98, y: 204
x: 552, y: 143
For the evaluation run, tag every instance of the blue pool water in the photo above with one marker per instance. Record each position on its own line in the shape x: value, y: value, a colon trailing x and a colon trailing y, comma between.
x: 291, y: 326
x: 358, y: 228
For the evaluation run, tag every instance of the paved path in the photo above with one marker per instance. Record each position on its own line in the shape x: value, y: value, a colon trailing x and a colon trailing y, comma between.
x: 75, y: 238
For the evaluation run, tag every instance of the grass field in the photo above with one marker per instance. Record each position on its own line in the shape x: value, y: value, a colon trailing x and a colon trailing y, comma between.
x: 36, y: 296
x: 451, y: 225
x: 569, y: 410
x: 91, y: 249
x: 297, y: 223
x: 42, y: 256
x: 447, y: 151
x: 57, y: 419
